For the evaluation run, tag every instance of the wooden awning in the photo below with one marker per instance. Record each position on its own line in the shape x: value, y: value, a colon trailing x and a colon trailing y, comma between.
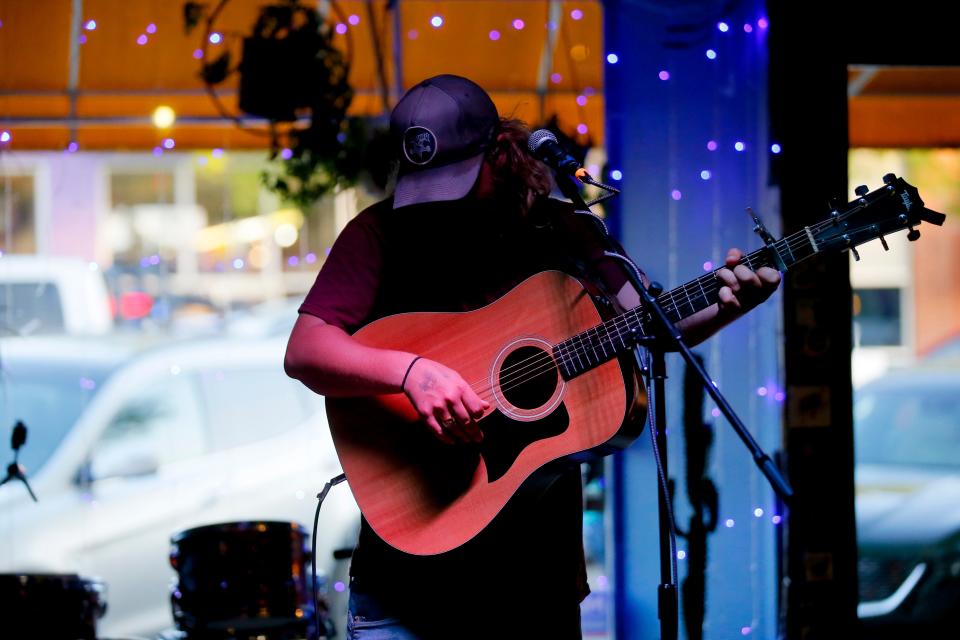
x: 96, y: 78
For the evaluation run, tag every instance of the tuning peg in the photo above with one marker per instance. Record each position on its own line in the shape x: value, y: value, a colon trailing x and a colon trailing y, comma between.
x: 862, y: 190
x: 890, y: 178
x: 913, y: 235
x: 856, y: 255
x: 883, y: 241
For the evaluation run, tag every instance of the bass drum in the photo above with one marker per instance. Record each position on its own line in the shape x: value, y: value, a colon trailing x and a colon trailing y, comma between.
x: 51, y: 605
x: 242, y: 579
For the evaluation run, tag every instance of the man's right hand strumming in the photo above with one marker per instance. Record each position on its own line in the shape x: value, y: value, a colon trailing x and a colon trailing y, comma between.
x: 446, y: 403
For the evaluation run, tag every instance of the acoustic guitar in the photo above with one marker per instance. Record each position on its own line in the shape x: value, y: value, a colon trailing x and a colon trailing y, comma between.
x: 546, y: 361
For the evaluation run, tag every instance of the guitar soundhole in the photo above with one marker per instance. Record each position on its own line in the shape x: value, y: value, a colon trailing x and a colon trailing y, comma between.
x: 528, y: 377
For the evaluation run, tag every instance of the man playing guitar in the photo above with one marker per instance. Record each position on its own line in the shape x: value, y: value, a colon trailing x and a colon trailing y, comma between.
x: 470, y: 220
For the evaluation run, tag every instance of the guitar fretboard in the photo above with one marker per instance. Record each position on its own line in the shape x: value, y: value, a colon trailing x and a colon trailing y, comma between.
x: 596, y: 345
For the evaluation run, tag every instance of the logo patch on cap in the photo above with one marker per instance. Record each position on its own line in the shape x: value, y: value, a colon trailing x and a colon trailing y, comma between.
x: 419, y: 145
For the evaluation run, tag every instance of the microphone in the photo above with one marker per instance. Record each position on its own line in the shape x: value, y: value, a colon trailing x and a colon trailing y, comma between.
x: 543, y: 144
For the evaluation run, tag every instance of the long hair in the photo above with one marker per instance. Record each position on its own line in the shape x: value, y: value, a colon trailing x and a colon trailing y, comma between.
x: 519, y: 178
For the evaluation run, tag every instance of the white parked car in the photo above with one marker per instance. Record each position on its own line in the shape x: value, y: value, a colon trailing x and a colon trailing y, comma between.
x: 128, y: 445
x: 42, y: 295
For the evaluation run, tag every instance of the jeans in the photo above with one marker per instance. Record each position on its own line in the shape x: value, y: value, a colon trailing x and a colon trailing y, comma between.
x: 367, y: 621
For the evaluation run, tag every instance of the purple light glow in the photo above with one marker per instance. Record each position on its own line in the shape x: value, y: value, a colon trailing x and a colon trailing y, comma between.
x: 664, y: 75
x: 715, y: 412
x: 354, y: 19
x: 745, y: 631
x: 341, y: 28
x: 518, y: 24
x: 82, y: 39
x: 779, y: 396
x: 5, y: 136
x: 339, y: 587
x: 603, y: 582
x: 494, y: 35
x: 142, y: 39
x: 310, y: 258
x: 216, y: 153
x: 582, y: 101
x: 748, y: 28
x: 158, y: 151
x: 326, y: 251
x: 708, y: 266
x: 675, y: 194
x: 762, y: 23
x: 286, y: 154
x: 413, y: 34
x: 72, y: 147
x: 87, y: 384
x: 151, y: 28
x: 712, y: 145
x: 197, y: 53
x: 168, y: 143
x: 576, y: 14
x: 555, y: 78
x: 293, y: 261
x: 762, y: 391
x: 582, y: 129
x: 776, y: 519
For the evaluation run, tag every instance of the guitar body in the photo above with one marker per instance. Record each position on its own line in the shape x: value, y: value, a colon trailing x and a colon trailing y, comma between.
x: 425, y: 497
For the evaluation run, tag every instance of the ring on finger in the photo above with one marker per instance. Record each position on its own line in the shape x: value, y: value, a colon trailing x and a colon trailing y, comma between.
x: 447, y: 423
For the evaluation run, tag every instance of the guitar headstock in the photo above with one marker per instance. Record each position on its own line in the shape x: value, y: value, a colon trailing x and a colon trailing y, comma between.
x: 893, y: 207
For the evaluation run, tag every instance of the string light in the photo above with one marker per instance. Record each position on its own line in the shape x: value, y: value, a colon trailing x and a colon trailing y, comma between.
x: 711, y: 145
x: 494, y: 35
x: 613, y: 58
x: 5, y: 136
x: 142, y: 39
x: 729, y: 523
x: 91, y: 25
x: 341, y: 28
x: 216, y: 38
x: 238, y: 263
x: 197, y: 54
x: 151, y: 28
x: 711, y: 54
x: 739, y: 146
x: 293, y: 261
x: 723, y: 27
x: 436, y: 22
x: 310, y: 258
x: 705, y: 174
x: 582, y: 129
x: 748, y: 28
x: 758, y: 512
x: 675, y: 194
x: 555, y: 78
x: 164, y: 117
x: 576, y: 14
x: 664, y: 75
x: 216, y: 153
x: 708, y: 266
x: 413, y: 34
x: 72, y: 147
x: 616, y: 174
x: 518, y: 24
x: 168, y: 143
x: 775, y: 148
x: 354, y: 19
x: 582, y: 100
x: 286, y: 154
x: 762, y: 23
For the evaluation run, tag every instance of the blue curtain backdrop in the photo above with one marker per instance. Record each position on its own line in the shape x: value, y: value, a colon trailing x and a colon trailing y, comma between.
x: 687, y: 131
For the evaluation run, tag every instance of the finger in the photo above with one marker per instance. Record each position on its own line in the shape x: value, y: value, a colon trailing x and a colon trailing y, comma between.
x: 746, y: 276
x: 727, y: 299
x: 449, y: 424
x: 465, y: 424
x: 733, y: 257
x: 476, y: 406
x: 769, y: 276
x: 727, y: 278
x: 437, y: 431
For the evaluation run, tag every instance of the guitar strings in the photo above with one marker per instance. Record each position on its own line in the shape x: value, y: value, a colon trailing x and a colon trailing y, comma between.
x: 511, y: 377
x: 544, y: 362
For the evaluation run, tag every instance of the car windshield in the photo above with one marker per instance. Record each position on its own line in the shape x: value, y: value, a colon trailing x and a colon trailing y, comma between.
x: 911, y: 426
x: 49, y: 398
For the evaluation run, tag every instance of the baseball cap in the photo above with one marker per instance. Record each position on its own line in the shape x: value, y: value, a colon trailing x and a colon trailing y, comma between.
x: 443, y: 126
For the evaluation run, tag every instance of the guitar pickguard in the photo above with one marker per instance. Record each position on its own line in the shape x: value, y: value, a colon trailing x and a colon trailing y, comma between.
x: 505, y: 438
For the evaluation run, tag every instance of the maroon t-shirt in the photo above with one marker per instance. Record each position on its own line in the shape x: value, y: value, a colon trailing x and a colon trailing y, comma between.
x: 458, y: 257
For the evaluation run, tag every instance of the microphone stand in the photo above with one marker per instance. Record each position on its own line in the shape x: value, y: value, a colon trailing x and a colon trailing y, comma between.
x: 14, y: 470
x: 668, y: 338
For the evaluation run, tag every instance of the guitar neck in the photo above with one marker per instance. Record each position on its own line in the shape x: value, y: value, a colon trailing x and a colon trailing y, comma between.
x: 591, y: 348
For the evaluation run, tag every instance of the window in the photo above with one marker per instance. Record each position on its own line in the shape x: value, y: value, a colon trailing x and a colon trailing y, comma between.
x: 161, y: 425
x: 17, y: 219
x: 30, y: 308
x: 876, y: 317
x: 248, y: 405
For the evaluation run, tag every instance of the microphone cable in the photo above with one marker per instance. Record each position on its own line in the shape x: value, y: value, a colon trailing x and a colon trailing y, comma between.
x: 313, y: 549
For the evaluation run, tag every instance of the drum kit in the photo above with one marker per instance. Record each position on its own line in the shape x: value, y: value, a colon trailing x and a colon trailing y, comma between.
x: 235, y: 580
